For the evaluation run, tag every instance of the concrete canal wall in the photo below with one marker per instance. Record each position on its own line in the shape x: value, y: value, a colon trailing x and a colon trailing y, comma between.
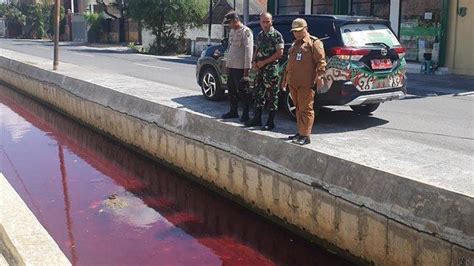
x: 23, y: 240
x: 372, y: 214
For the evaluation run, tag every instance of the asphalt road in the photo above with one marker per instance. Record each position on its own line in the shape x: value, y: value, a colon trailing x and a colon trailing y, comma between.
x: 434, y: 123
x: 169, y: 70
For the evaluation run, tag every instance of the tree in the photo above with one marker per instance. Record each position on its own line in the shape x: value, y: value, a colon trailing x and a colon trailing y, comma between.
x: 167, y: 19
x: 122, y: 7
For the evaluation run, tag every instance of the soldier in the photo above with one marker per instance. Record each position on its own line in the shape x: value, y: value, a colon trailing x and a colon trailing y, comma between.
x: 239, y: 61
x: 304, y: 74
x: 269, y: 50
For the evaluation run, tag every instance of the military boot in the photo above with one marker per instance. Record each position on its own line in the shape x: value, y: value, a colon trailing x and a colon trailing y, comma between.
x: 256, y: 121
x: 233, y: 111
x: 270, y: 125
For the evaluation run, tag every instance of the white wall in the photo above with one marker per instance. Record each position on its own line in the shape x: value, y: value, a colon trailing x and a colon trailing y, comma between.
x: 395, y: 15
x: 307, y: 7
x: 217, y: 32
x: 147, y: 38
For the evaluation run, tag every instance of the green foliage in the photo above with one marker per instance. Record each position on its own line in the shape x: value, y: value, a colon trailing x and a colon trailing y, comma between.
x: 37, y: 20
x: 96, y: 23
x: 167, y: 20
x: 12, y: 14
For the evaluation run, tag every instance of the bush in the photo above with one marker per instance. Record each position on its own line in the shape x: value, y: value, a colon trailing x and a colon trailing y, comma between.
x: 167, y: 20
x: 37, y: 20
x: 96, y: 22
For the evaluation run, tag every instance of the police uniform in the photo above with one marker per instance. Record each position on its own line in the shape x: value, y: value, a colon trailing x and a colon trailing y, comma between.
x: 306, y: 61
x: 266, y: 81
x: 239, y: 58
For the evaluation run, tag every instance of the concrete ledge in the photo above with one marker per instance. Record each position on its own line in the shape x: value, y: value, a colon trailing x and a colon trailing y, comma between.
x: 376, y: 215
x: 22, y: 237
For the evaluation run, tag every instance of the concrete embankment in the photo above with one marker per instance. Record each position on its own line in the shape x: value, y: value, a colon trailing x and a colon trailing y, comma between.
x: 373, y: 214
x: 23, y: 240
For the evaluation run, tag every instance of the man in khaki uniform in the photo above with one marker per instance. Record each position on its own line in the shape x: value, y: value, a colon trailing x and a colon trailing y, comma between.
x: 303, y: 74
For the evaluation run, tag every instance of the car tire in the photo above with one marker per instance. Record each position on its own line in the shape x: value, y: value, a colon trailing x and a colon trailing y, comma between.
x: 365, y: 109
x: 290, y: 108
x: 211, y: 86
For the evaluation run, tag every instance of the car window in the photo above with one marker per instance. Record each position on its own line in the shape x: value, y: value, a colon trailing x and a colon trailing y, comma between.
x: 284, y: 29
x: 357, y: 35
x: 255, y: 30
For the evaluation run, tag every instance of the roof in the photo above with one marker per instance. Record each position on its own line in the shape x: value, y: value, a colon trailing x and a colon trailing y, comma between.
x: 222, y: 7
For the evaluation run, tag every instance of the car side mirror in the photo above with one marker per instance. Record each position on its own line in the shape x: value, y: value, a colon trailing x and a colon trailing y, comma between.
x: 225, y: 42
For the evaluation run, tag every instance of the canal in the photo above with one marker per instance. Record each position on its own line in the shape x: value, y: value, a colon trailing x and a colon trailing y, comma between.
x: 105, y: 204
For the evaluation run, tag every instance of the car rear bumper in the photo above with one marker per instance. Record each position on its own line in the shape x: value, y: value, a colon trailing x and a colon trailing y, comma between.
x: 377, y: 98
x: 345, y: 93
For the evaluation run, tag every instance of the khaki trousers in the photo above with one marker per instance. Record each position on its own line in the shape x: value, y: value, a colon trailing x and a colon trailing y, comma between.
x: 303, y: 98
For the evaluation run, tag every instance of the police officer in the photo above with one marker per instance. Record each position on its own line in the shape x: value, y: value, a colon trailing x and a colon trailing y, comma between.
x: 239, y: 61
x: 304, y: 73
x: 269, y: 50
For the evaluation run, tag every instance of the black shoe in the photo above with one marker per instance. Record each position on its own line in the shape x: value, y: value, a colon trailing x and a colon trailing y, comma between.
x: 303, y: 140
x: 270, y: 125
x: 230, y: 115
x: 256, y: 121
x: 245, y: 115
x: 293, y: 137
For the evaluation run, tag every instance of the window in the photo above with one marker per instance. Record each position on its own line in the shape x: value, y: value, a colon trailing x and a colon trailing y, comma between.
x: 322, y: 7
x: 290, y: 7
x: 376, y: 8
x: 357, y: 35
x: 420, y: 28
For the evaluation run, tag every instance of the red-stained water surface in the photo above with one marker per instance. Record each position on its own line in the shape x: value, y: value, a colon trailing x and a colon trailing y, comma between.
x: 106, y: 205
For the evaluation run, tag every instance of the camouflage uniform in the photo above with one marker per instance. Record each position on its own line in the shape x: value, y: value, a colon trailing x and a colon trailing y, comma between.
x: 266, y: 81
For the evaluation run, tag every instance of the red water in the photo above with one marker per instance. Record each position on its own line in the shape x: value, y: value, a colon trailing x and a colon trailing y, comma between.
x: 106, y: 205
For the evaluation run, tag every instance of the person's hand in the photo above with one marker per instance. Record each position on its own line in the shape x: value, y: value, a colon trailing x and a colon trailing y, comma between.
x: 320, y: 82
x: 260, y: 64
x: 245, y: 79
x: 254, y: 66
x: 283, y: 85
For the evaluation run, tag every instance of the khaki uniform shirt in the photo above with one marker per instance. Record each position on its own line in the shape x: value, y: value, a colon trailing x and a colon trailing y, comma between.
x: 306, y: 61
x: 240, y: 48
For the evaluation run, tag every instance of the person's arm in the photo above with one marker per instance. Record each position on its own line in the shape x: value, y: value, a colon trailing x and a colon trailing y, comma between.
x: 280, y: 45
x: 277, y: 55
x: 248, y: 46
x: 319, y: 59
x: 257, y: 43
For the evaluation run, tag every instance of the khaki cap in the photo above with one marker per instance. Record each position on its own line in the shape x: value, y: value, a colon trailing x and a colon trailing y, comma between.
x: 298, y: 24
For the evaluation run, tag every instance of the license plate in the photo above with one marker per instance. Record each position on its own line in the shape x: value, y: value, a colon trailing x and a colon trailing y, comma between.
x: 381, y: 63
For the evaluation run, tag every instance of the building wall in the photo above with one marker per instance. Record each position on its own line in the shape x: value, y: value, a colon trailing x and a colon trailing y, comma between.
x: 459, y: 48
x: 460, y: 43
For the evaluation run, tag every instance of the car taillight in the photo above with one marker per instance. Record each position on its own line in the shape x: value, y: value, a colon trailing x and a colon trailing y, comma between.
x: 349, y: 52
x: 400, y: 51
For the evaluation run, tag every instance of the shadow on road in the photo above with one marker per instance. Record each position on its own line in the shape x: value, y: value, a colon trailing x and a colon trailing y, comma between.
x: 328, y: 121
x: 105, y: 51
x: 421, y: 86
x: 184, y: 60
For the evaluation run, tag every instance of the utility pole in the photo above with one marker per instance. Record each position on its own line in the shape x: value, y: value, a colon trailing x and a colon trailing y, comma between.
x: 246, y: 11
x: 210, y: 24
x: 56, y: 35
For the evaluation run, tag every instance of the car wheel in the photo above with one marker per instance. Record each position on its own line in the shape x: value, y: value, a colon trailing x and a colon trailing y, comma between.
x: 210, y: 85
x: 289, y: 106
x: 365, y: 109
